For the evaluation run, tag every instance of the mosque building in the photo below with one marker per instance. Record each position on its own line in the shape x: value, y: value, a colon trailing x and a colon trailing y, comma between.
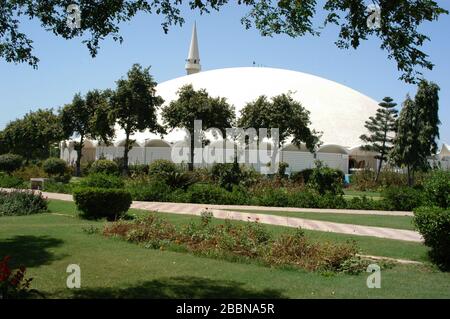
x: 337, y: 111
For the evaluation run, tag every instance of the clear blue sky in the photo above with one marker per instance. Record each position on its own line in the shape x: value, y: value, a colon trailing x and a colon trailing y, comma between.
x: 67, y: 68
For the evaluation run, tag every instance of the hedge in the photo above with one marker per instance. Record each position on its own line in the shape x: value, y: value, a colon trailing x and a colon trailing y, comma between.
x: 96, y: 203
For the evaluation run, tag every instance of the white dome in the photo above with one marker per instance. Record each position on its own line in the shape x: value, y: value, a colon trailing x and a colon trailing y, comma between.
x: 336, y: 110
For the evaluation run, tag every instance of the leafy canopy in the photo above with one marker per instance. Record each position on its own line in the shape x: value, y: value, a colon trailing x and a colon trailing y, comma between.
x: 399, y: 31
x: 284, y: 113
x: 418, y: 128
x: 34, y: 135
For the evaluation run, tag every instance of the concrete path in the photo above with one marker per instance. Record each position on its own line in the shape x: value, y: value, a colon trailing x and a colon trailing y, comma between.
x: 222, y: 212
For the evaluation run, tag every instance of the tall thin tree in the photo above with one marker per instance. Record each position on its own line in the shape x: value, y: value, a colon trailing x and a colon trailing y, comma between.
x: 418, y: 129
x: 381, y: 129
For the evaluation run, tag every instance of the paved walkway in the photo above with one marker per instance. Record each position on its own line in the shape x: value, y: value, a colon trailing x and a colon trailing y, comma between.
x: 225, y: 212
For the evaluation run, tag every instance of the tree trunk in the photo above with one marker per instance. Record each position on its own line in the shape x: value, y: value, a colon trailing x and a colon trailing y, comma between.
x: 409, y: 176
x: 125, y: 155
x: 79, y: 155
x: 379, y: 168
x: 191, y: 154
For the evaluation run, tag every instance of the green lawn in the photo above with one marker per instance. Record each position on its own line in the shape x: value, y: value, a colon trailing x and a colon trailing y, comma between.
x: 48, y: 243
x: 400, y: 222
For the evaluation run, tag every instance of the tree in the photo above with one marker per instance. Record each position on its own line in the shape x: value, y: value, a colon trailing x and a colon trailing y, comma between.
x: 284, y: 113
x: 417, y: 130
x: 382, y: 131
x: 34, y: 135
x: 398, y: 31
x: 87, y: 118
x: 134, y: 106
x: 194, y: 105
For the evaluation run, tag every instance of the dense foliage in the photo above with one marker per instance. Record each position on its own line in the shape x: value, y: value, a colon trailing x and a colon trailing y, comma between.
x: 103, y: 180
x: 10, y: 162
x: 104, y: 166
x: 400, y: 22
x: 437, y: 189
x: 54, y: 166
x: 20, y: 202
x: 96, y: 203
x: 434, y: 225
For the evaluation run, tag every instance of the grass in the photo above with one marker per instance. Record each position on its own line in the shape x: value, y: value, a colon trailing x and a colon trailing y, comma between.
x: 399, y: 222
x: 110, y: 268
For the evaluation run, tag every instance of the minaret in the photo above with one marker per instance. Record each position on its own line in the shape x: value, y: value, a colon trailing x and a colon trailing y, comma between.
x: 193, y: 60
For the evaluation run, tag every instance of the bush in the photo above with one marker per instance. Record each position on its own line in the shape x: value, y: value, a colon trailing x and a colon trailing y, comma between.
x: 138, y: 169
x: 95, y: 203
x: 17, y: 203
x: 272, y: 197
x: 30, y: 171
x: 402, y: 198
x: 434, y: 225
x: 226, y: 174
x: 437, y: 189
x: 302, y: 177
x: 147, y: 189
x: 104, y: 166
x: 55, y: 166
x: 208, y: 194
x: 102, y: 180
x: 326, y: 180
x: 10, y: 181
x: 10, y: 162
x: 282, y: 166
x: 161, y: 167
x: 304, y: 199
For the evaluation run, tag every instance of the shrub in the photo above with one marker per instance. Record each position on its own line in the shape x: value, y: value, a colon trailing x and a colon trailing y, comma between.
x: 10, y: 162
x: 437, y: 189
x: 161, y: 166
x: 367, y: 203
x: 208, y: 194
x: 304, y: 199
x: 326, y: 180
x: 177, y: 179
x: 434, y: 225
x: 95, y: 203
x: 147, y: 189
x: 30, y: 171
x: 10, y: 181
x: 17, y: 203
x: 55, y: 166
x: 138, y: 169
x: 282, y: 166
x: 301, y: 177
x: 104, y: 166
x: 272, y: 197
x: 102, y: 180
x: 402, y: 198
x: 226, y: 174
